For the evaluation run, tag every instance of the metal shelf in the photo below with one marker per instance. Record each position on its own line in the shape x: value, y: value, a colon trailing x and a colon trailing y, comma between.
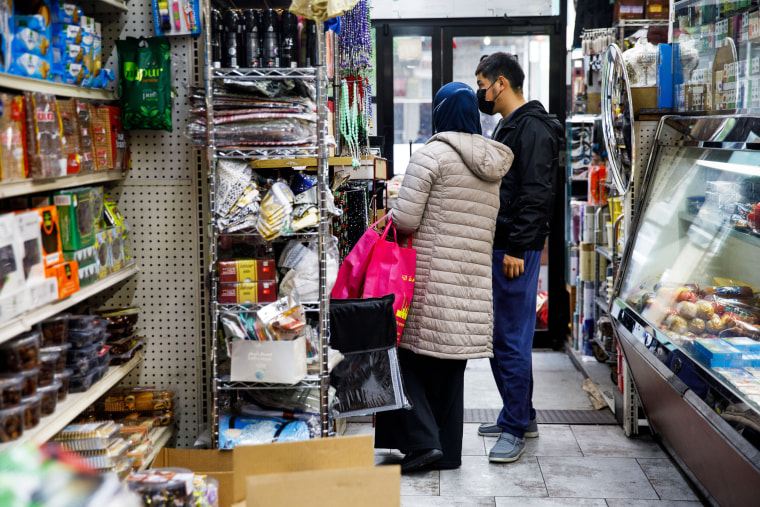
x: 25, y: 321
x: 32, y: 186
x: 105, y: 5
x: 73, y: 405
x: 604, y: 252
x: 602, y: 303
x: 256, y: 152
x: 243, y: 74
x: 38, y: 85
x: 640, y: 22
x: 709, y: 229
x: 159, y: 437
x: 309, y: 382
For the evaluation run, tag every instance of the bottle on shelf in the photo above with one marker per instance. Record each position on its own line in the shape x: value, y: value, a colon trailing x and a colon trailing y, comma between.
x: 289, y: 35
x: 252, y: 21
x: 217, y: 38
x: 311, y: 43
x: 230, y: 51
x: 270, y: 51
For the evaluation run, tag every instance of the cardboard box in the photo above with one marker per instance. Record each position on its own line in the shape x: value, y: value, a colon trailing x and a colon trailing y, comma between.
x: 12, y: 277
x: 103, y: 253
x: 279, y: 362
x: 628, y: 9
x: 76, y: 218
x: 67, y: 275
x: 50, y: 234
x: 247, y: 292
x: 246, y: 270
x: 116, y: 245
x: 317, y: 454
x: 29, y: 228
x: 214, y: 463
x: 657, y: 9
x: 366, y: 486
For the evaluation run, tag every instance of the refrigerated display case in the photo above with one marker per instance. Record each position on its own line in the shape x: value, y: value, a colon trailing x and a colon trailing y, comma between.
x: 685, y: 306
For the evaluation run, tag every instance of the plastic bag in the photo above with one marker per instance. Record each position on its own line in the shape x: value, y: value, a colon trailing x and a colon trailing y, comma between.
x: 302, y: 281
x: 235, y: 430
x: 145, y: 83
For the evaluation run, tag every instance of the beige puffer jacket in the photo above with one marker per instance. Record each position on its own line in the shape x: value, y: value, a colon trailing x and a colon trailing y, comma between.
x: 450, y: 199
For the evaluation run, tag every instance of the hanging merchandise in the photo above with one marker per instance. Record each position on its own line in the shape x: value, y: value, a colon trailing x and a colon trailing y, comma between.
x: 321, y: 10
x: 176, y: 17
x: 355, y: 65
x: 145, y: 83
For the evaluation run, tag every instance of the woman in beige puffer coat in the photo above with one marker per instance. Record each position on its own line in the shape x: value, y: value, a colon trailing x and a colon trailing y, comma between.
x: 449, y: 201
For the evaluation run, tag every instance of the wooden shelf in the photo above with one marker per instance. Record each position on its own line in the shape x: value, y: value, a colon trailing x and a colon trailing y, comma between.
x: 25, y: 321
x: 73, y: 405
x: 160, y: 437
x: 297, y: 162
x: 38, y: 85
x: 33, y: 186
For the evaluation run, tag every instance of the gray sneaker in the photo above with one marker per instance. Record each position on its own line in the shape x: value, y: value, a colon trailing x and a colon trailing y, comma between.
x: 532, y: 430
x: 508, y: 448
x: 493, y: 430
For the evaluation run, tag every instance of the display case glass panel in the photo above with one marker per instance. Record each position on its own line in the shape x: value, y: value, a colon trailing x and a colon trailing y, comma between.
x: 690, y: 265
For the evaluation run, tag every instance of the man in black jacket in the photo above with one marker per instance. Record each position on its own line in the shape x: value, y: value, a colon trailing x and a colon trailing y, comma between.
x: 527, y: 196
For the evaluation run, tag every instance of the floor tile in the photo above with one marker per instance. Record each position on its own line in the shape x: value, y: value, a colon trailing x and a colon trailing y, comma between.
x: 554, y: 440
x: 595, y: 477
x: 551, y: 362
x: 505, y: 501
x: 666, y: 479
x: 446, y: 501
x: 651, y: 503
x: 560, y: 390
x: 359, y: 429
x: 611, y: 441
x: 478, y: 477
x: 425, y: 483
x: 479, y: 387
x: 472, y: 443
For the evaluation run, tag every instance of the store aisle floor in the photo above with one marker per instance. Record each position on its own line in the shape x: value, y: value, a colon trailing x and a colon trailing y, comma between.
x: 567, y: 465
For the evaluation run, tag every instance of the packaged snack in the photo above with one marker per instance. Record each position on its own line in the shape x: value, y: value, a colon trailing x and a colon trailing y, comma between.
x: 10, y: 392
x: 119, y: 147
x: 28, y: 65
x: 68, y: 53
x: 75, y: 217
x: 64, y: 13
x: 29, y: 229
x: 50, y: 235
x: 43, y: 138
x: 86, y: 45
x: 54, y: 330
x: 67, y: 275
x: 84, y: 256
x: 31, y: 35
x: 70, y: 135
x: 70, y: 73
x: 145, y: 103
x: 85, y: 136
x: 32, y: 410
x: 103, y: 261
x: 11, y: 255
x: 247, y: 270
x: 63, y: 378
x: 116, y: 244
x: 49, y: 396
x: 106, y: 458
x: 61, y: 351
x: 48, y: 364
x: 29, y: 379
x: 97, y: 50
x: 12, y: 138
x: 80, y: 384
x: 101, y: 135
x: 86, y: 437
x: 11, y: 424
x: 20, y: 354
x: 64, y: 33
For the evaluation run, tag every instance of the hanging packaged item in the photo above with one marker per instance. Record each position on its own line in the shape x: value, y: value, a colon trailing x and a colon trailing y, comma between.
x: 70, y: 135
x: 145, y: 83
x: 44, y: 151
x: 12, y: 138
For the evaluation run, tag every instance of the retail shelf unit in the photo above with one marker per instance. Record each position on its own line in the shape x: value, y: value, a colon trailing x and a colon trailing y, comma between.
x: 271, y: 157
x: 25, y: 187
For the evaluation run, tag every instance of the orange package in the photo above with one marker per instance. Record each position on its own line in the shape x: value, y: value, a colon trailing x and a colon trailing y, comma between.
x: 68, y: 278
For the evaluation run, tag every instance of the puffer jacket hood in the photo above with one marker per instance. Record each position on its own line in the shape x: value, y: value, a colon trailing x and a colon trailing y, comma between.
x: 478, y: 154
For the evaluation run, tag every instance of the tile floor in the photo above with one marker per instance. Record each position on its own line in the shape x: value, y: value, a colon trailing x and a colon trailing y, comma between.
x: 567, y: 465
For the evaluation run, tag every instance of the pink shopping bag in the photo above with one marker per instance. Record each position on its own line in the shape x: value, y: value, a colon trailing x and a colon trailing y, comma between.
x: 391, y: 270
x: 351, y: 273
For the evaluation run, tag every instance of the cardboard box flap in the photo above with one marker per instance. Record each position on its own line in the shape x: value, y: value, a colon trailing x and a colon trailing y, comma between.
x: 366, y: 486
x: 316, y: 454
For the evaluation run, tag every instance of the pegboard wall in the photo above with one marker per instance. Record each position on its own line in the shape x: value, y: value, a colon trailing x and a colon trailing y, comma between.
x: 162, y: 198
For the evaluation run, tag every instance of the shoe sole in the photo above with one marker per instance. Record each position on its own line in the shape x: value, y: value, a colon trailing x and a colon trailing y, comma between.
x: 531, y: 434
x: 486, y: 434
x: 507, y: 460
x: 419, y: 466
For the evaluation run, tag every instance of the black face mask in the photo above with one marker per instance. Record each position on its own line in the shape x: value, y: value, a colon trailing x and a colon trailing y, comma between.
x: 486, y: 106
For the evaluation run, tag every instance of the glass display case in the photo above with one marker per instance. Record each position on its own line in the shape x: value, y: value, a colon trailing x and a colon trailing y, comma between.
x: 687, y: 306
x: 717, y: 65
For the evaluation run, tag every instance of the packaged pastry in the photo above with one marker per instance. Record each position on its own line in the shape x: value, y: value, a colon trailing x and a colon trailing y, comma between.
x: 44, y: 153
x: 31, y: 36
x: 50, y: 235
x: 29, y: 228
x: 106, y: 458
x: 11, y: 424
x: 70, y: 135
x: 12, y: 138
x: 101, y: 136
x: 28, y: 378
x: 10, y: 391
x: 32, y: 411
x: 86, y: 437
x: 49, y: 397
x: 84, y: 122
x: 120, y: 317
x: 63, y: 378
x: 65, y: 33
x: 70, y: 73
x: 33, y: 66
x: 21, y: 354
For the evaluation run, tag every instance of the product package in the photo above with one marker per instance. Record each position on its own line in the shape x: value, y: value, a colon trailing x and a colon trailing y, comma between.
x: 70, y: 73
x: 98, y: 207
x: 67, y: 109
x: 64, y: 13
x: 31, y: 36
x: 184, y: 18
x: 235, y: 430
x: 116, y: 245
x: 45, y: 155
x: 51, y: 236
x: 84, y: 121
x: 103, y: 253
x: 114, y: 218
x: 101, y: 135
x: 247, y: 270
x: 119, y: 146
x: 145, y: 83
x: 29, y: 65
x: 86, y: 256
x: 12, y: 138
x: 76, y: 218
x: 11, y: 255
x: 247, y: 293
x: 29, y: 230
x: 67, y: 275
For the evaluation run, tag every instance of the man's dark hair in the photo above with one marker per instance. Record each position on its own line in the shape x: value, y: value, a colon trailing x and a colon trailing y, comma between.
x: 502, y: 64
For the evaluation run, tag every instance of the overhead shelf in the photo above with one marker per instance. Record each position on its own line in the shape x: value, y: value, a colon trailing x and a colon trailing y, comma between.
x: 26, y: 84
x: 105, y: 5
x: 73, y: 405
x: 159, y: 437
x: 32, y: 186
x: 298, y: 162
x: 25, y: 321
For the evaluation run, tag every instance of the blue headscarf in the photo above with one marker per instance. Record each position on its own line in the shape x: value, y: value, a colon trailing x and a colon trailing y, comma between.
x: 455, y: 109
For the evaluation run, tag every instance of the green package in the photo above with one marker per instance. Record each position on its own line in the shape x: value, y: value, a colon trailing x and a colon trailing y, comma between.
x: 75, y: 218
x: 145, y: 83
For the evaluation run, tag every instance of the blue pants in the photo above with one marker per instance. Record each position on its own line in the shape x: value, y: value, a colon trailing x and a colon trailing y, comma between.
x: 514, y: 323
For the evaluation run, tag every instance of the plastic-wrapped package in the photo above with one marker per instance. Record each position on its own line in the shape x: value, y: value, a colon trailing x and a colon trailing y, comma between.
x: 45, y: 155
x: 13, y: 156
x: 276, y: 207
x: 236, y: 430
x: 84, y: 120
x: 302, y: 281
x: 267, y: 132
x: 232, y: 180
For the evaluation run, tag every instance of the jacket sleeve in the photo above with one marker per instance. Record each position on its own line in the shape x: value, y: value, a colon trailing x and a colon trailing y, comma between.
x: 414, y: 192
x: 536, y: 148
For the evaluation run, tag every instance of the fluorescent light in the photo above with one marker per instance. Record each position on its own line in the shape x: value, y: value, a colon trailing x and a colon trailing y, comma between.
x: 749, y: 170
